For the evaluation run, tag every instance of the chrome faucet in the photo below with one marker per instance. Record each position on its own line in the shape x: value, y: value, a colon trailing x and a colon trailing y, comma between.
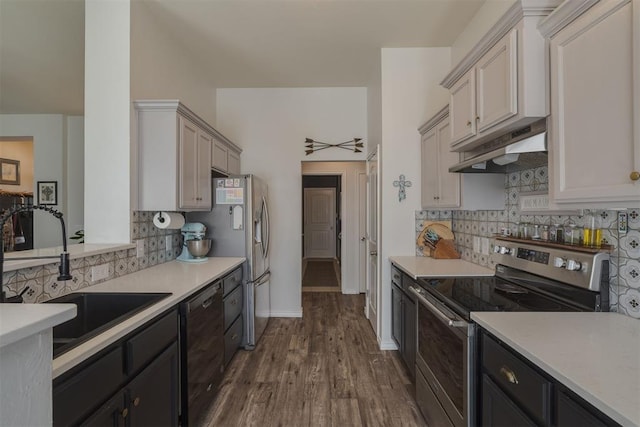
x: 63, y: 269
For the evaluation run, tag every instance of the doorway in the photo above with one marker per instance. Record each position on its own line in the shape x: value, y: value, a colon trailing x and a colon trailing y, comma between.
x: 321, y: 253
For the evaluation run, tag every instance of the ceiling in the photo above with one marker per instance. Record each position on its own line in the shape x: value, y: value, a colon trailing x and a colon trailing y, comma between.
x: 241, y: 43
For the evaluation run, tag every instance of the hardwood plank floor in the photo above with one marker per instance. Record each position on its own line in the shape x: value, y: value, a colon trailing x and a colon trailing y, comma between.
x: 324, y: 369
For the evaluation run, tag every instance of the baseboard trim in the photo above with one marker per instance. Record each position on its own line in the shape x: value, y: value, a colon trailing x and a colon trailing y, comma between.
x: 295, y: 313
x: 388, y: 345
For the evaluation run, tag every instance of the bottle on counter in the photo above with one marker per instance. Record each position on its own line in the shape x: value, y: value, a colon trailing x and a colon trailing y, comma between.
x: 592, y: 232
x: 536, y: 232
x: 545, y: 233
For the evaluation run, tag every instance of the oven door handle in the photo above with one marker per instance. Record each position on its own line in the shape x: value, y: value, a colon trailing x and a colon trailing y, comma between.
x: 432, y: 308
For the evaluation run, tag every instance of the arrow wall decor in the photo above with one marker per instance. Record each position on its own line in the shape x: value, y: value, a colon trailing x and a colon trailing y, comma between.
x: 312, y: 145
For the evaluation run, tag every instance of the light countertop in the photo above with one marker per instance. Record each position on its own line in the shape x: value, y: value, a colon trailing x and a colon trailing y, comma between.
x: 416, y: 267
x: 180, y: 278
x: 596, y: 355
x: 13, y: 260
x: 18, y: 321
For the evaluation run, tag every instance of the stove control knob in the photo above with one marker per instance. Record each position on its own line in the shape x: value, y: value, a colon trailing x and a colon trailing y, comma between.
x: 559, y: 262
x: 505, y: 250
x: 573, y: 265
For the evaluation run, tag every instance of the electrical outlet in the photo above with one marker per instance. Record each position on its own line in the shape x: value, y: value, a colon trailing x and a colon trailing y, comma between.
x: 484, y: 243
x: 476, y: 244
x: 622, y: 223
x: 99, y: 272
x: 168, y: 242
x: 139, y: 248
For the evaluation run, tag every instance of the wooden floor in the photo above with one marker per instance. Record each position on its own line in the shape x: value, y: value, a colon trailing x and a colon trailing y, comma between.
x: 324, y: 369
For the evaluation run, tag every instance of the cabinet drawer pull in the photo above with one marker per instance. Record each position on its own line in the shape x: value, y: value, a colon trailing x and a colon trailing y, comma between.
x: 509, y: 375
x: 136, y: 401
x: 234, y: 301
x: 234, y: 337
x: 635, y: 175
x: 125, y: 412
x: 207, y: 302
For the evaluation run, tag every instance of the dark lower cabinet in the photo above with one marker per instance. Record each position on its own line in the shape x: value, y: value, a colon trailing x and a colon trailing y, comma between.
x: 515, y: 392
x: 573, y: 411
x: 403, y: 318
x: 134, y: 382
x: 498, y: 409
x: 151, y: 399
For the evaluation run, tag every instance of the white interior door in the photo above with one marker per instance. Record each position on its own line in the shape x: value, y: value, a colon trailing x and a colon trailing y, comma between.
x: 362, y: 232
x: 372, y: 297
x: 320, y: 222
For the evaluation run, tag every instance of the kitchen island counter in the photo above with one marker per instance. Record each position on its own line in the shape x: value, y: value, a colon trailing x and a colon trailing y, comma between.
x: 417, y: 267
x: 179, y: 278
x: 596, y: 355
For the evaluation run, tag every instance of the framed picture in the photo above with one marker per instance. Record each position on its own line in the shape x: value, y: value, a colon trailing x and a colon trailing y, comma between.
x: 47, y: 192
x: 9, y: 172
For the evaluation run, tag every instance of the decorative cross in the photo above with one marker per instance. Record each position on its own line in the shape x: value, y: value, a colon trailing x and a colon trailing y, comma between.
x: 401, y: 183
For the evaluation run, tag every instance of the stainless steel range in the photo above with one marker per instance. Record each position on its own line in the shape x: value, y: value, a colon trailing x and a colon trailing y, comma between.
x: 529, y: 276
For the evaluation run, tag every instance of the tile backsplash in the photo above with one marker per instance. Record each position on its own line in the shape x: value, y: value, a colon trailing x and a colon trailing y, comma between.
x: 42, y: 280
x: 625, y: 258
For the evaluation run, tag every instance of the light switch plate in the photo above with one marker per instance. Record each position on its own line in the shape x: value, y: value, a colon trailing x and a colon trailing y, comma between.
x: 484, y: 243
x: 622, y: 223
x: 476, y: 244
x: 139, y: 248
x: 99, y: 272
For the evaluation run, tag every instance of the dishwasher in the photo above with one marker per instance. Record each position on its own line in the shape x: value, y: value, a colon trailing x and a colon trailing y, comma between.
x: 201, y: 352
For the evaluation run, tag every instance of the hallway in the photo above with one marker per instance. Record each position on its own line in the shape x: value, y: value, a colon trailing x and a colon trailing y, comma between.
x: 324, y: 369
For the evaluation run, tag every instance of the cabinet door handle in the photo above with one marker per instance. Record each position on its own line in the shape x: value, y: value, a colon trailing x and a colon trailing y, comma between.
x: 469, y: 123
x: 635, y: 175
x: 233, y: 302
x: 477, y: 118
x: 234, y: 337
x: 136, y: 401
x: 509, y: 375
x: 125, y: 412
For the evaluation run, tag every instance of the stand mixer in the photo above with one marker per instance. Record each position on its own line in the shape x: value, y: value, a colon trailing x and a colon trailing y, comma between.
x: 199, y: 247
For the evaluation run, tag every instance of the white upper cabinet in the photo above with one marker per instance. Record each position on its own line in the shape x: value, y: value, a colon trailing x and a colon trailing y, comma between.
x: 443, y: 189
x: 594, y: 150
x: 225, y: 157
x: 174, y: 157
x: 502, y: 84
x: 193, y: 175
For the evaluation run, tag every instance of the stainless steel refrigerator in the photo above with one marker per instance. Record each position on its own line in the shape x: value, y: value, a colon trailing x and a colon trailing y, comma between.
x: 238, y: 225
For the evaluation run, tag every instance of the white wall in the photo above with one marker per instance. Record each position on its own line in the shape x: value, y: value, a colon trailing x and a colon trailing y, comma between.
x: 482, y: 21
x: 374, y: 108
x: 161, y: 68
x: 410, y: 95
x: 274, y: 123
x: 75, y: 175
x: 48, y: 132
x: 107, y: 122
x: 351, y: 245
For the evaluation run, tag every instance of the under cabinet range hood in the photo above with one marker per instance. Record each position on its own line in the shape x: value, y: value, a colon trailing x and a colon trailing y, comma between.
x: 521, y: 149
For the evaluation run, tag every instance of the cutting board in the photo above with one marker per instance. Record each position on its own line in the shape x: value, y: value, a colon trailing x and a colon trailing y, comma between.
x: 436, y: 240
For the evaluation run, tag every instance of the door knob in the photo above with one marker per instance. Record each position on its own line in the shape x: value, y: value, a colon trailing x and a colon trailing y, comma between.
x: 634, y: 176
x: 362, y: 239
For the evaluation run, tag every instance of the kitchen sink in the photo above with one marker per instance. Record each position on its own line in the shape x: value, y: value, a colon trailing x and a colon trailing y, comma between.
x: 97, y: 312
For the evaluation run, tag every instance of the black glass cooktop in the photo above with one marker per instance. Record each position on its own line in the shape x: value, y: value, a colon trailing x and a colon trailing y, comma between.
x: 467, y: 294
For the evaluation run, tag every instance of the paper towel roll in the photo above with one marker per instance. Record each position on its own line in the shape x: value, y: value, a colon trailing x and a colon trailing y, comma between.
x: 168, y: 220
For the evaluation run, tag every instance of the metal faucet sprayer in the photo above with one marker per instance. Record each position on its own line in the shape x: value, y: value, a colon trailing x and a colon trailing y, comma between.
x: 63, y: 269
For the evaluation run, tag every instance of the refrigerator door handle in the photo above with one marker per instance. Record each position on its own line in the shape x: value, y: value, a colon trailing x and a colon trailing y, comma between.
x: 262, y: 279
x: 265, y: 224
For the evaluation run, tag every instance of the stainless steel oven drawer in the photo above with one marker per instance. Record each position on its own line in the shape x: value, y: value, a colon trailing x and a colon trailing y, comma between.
x: 517, y: 379
x: 427, y: 401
